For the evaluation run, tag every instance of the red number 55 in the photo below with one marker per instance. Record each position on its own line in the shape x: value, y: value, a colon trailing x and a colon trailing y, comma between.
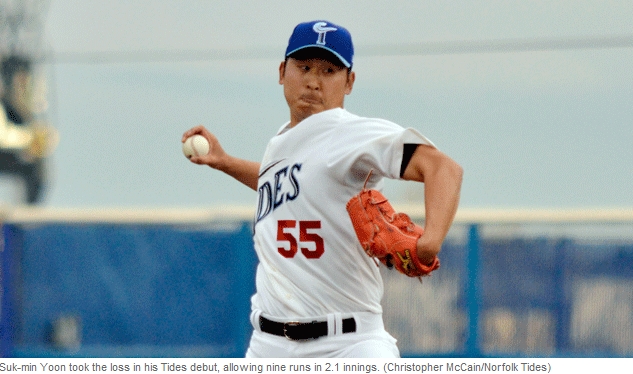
x: 305, y: 236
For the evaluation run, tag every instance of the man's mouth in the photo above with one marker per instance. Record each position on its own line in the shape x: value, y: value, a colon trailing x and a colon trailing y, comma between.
x: 311, y: 99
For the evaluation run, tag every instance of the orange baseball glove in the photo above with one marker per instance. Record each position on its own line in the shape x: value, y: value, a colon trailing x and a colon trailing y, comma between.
x: 387, y: 236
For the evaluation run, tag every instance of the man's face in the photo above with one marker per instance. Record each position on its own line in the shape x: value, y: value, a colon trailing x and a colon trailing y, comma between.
x: 313, y: 85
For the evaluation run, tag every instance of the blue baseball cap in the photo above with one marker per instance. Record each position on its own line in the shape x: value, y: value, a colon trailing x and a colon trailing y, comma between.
x: 323, y: 34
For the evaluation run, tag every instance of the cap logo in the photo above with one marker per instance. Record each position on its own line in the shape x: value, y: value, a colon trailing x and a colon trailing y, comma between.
x: 321, y: 28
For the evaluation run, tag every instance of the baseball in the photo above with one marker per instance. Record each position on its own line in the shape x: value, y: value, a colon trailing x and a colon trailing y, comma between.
x: 196, y: 145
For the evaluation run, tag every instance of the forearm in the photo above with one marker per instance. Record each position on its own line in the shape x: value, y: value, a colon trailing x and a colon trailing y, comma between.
x: 242, y: 170
x: 441, y: 199
x: 442, y: 178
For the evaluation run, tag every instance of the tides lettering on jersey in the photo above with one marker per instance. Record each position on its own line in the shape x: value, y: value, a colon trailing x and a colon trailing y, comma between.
x: 273, y: 193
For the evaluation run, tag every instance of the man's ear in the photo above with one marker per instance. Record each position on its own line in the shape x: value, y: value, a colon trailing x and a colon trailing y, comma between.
x: 351, y: 78
x: 282, y: 72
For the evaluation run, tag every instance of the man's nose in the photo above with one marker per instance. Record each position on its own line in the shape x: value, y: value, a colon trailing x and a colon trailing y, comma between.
x: 313, y: 80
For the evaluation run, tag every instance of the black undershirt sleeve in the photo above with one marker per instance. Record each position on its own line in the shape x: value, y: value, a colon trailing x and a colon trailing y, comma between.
x: 407, y: 153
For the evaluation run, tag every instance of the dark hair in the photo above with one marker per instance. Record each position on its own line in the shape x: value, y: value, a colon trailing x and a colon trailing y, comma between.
x: 13, y: 65
x: 318, y: 53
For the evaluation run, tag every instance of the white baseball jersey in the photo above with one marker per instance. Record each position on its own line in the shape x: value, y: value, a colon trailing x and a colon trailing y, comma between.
x: 310, y: 260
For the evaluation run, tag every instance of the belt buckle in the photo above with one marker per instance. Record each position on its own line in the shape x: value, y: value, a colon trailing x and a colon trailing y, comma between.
x: 286, y: 324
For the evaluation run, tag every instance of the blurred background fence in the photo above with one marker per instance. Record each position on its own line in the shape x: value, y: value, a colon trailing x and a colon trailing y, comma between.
x: 177, y: 283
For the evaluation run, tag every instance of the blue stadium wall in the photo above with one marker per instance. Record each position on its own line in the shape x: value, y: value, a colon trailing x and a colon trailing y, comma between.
x: 183, y: 290
x: 136, y: 290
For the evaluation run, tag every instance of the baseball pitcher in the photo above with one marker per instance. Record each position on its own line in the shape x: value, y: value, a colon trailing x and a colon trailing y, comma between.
x: 322, y: 227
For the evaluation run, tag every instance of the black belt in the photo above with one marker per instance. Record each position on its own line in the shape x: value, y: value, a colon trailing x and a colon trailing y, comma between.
x: 302, y: 331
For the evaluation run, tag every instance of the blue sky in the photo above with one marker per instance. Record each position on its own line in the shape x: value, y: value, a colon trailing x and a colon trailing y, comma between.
x: 547, y: 128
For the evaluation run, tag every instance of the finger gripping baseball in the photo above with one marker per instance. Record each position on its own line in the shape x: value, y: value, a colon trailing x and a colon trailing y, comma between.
x: 387, y: 236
